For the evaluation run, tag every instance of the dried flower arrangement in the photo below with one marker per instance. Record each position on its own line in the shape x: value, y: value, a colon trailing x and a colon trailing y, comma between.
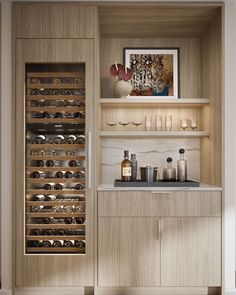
x: 121, y: 71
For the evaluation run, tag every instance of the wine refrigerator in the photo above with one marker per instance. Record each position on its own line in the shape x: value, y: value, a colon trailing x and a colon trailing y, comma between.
x: 56, y: 159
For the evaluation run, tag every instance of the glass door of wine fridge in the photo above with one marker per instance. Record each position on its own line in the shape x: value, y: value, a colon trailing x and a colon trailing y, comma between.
x: 56, y: 158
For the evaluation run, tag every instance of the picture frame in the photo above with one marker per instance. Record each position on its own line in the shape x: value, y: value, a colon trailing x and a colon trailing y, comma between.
x: 155, y: 72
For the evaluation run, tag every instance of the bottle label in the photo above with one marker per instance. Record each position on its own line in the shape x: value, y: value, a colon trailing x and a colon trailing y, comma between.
x: 126, y: 171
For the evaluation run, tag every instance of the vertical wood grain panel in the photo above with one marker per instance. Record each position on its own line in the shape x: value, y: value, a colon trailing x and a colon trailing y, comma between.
x: 211, y: 76
x: 128, y: 252
x: 60, y: 20
x: 191, y: 252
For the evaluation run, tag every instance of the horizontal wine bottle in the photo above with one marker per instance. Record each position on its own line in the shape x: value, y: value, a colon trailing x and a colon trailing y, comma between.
x: 68, y: 243
x: 48, y: 186
x: 59, y: 186
x: 35, y: 232
x: 74, y: 163
x: 80, y: 139
x: 69, y: 174
x: 38, y: 174
x: 79, y: 187
x: 59, y: 174
x: 50, y: 198
x: 38, y: 198
x: 79, y: 244
x: 71, y: 139
x: 59, y: 139
x: 41, y: 163
x: 57, y: 244
x: 46, y: 243
x: 39, y: 139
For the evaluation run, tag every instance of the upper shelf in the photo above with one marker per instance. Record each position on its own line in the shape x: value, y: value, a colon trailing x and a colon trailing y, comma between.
x: 182, y: 102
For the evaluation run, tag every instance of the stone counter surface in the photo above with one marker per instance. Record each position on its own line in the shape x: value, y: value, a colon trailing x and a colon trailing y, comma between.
x: 202, y: 187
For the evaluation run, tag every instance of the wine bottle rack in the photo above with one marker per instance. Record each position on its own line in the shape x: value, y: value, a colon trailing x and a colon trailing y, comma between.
x: 55, y: 109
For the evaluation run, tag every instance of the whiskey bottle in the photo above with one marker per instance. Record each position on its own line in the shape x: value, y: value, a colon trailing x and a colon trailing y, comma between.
x: 126, y: 168
x: 38, y: 174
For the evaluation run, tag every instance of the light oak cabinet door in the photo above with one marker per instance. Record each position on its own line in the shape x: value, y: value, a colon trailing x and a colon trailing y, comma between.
x: 128, y: 252
x: 191, y: 252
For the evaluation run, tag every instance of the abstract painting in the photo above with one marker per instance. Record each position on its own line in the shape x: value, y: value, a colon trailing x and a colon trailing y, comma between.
x: 155, y: 72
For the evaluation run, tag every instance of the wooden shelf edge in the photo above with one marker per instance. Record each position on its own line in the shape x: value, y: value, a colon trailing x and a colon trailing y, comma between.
x: 46, y: 237
x: 177, y: 101
x: 55, y: 250
x: 146, y: 134
x: 55, y: 226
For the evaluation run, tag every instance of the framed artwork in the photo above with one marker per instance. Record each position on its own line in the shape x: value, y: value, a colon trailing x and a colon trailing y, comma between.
x: 155, y: 72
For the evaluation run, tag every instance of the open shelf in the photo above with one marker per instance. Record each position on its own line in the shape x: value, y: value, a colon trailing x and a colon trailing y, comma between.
x: 60, y: 202
x: 55, y: 226
x: 64, y: 237
x: 55, y: 250
x: 51, y: 169
x: 54, y: 214
x: 55, y: 97
x: 55, y: 180
x: 152, y: 134
x: 71, y: 192
x: 56, y: 157
x: 55, y: 86
x: 55, y: 146
x: 55, y: 109
x: 182, y: 102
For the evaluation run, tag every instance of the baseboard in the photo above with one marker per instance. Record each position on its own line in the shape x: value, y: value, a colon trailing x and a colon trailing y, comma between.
x: 50, y: 291
x: 150, y: 291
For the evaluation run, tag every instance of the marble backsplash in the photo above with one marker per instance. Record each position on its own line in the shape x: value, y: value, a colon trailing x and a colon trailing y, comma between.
x: 150, y: 151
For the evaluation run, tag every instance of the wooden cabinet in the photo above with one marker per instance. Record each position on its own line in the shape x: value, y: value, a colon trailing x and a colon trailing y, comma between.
x: 191, y: 252
x: 167, y: 239
x: 50, y: 20
x: 63, y: 269
x: 124, y: 251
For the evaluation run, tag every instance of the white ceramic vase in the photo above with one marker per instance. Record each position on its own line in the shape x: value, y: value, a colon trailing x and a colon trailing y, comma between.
x: 122, y: 89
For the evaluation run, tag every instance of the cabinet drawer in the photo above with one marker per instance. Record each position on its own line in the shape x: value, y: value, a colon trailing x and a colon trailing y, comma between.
x: 156, y: 203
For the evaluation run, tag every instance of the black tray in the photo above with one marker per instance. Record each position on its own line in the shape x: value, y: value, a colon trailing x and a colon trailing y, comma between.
x: 160, y: 183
